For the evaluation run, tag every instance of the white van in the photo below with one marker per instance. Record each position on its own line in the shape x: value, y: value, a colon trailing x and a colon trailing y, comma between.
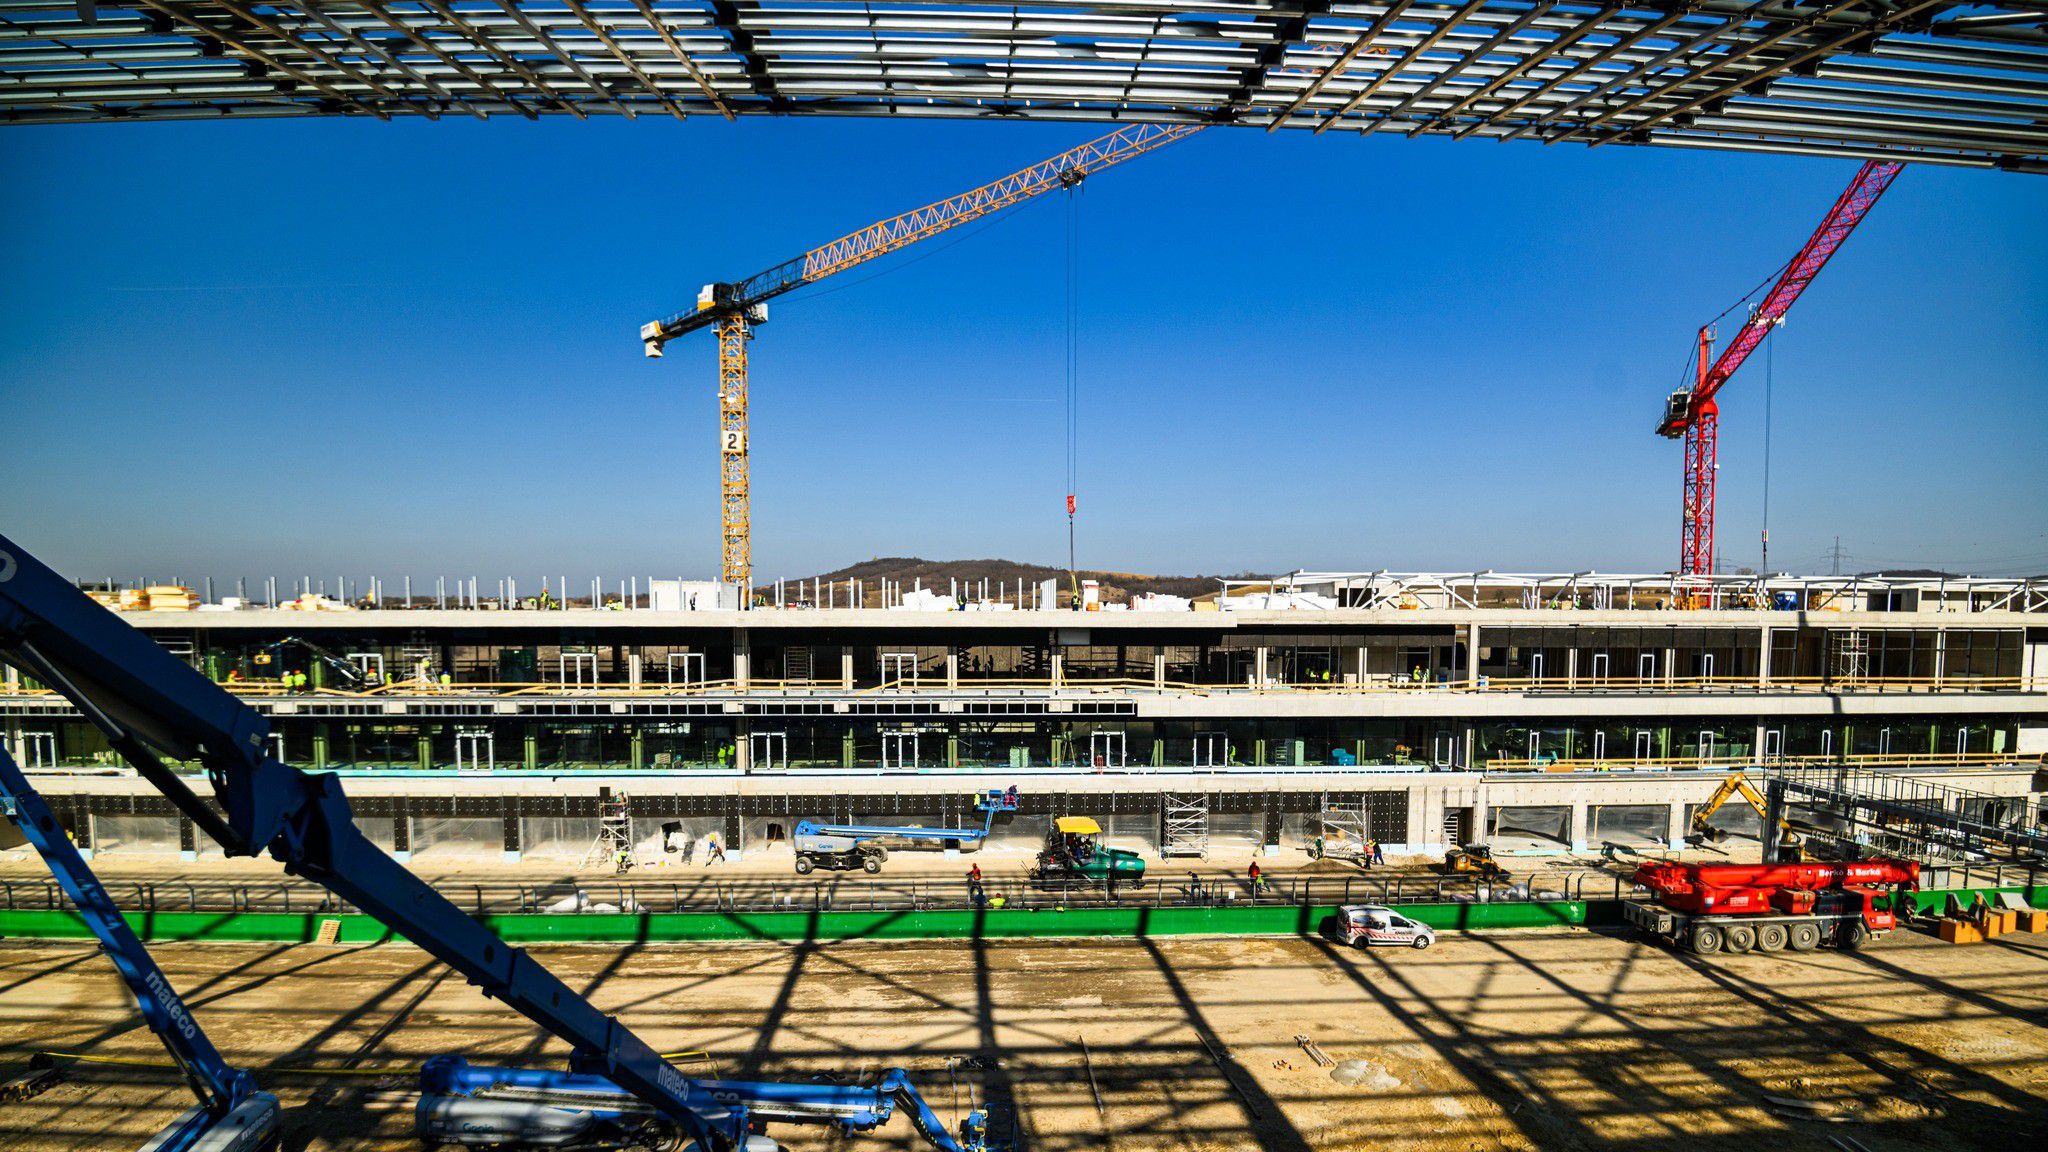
x: 1379, y: 924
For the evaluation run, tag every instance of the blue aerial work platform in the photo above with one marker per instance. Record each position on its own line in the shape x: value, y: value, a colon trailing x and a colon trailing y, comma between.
x: 848, y: 846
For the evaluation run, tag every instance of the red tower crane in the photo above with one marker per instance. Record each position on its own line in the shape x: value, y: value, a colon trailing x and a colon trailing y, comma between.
x: 1694, y: 414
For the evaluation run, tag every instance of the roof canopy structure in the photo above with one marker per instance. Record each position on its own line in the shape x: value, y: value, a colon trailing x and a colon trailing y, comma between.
x: 1925, y: 80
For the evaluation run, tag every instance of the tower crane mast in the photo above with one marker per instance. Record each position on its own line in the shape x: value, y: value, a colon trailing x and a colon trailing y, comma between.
x: 735, y: 309
x: 1694, y: 414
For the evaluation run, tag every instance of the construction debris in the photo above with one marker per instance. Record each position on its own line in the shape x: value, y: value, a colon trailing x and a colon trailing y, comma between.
x: 1315, y: 1052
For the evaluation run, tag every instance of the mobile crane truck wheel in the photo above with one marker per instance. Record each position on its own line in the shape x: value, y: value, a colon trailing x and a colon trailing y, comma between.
x: 1741, y: 938
x: 1770, y: 937
x: 1706, y: 939
x: 804, y: 864
x: 1804, y: 937
x: 871, y: 864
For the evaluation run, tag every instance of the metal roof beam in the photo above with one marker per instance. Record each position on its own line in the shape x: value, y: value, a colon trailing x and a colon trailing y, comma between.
x: 1551, y: 48
x: 726, y: 16
x: 611, y: 44
x: 269, y: 61
x: 1386, y: 17
x: 483, y: 40
x: 427, y: 46
x: 547, y: 40
x: 661, y: 30
x: 1406, y: 58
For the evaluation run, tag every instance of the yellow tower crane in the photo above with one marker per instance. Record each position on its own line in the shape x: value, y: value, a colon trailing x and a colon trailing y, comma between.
x: 736, y: 309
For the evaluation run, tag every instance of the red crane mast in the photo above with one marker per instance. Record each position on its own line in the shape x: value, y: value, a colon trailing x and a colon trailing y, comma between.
x: 1693, y: 412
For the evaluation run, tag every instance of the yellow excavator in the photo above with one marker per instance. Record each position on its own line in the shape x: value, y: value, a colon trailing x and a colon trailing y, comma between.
x: 1703, y: 832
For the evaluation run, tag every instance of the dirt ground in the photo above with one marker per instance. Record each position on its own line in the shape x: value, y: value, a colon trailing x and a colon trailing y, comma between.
x: 1556, y: 1039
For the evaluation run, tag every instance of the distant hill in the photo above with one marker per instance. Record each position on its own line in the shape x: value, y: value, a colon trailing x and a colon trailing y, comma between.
x: 938, y: 575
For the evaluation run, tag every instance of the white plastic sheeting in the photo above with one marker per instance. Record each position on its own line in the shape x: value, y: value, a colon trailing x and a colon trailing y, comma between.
x: 135, y: 833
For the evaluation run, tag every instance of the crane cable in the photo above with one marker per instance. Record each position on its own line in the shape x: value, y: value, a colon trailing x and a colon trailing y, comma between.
x: 1073, y: 380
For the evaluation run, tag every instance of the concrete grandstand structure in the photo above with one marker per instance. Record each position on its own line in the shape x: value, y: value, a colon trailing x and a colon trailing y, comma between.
x: 1429, y: 708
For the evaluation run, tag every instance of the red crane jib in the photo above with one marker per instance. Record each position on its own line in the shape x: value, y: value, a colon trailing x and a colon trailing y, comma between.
x: 1849, y: 210
x: 1744, y: 888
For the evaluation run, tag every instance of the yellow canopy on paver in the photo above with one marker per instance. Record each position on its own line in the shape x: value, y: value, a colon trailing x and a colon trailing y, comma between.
x: 1077, y: 826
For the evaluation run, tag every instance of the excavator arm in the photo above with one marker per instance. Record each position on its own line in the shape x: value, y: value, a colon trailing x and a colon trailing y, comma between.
x: 150, y: 706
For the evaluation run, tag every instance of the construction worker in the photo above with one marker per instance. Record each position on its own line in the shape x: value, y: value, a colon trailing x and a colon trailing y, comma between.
x: 716, y: 853
x: 1379, y: 854
x: 975, y: 893
x: 1257, y: 877
x: 622, y: 862
x: 446, y: 681
x: 1416, y: 675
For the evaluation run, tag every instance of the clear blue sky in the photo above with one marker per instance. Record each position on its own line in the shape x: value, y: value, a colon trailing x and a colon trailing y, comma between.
x: 411, y: 348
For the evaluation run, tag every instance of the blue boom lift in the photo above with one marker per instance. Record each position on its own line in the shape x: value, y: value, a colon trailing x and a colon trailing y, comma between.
x: 618, y: 1093
x: 231, y: 1116
x: 848, y: 846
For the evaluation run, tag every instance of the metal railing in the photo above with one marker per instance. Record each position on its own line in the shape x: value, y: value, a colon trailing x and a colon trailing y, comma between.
x: 805, y: 894
x: 1085, y: 686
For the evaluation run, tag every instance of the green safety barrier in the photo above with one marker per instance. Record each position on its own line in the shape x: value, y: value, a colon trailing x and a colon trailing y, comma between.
x: 987, y: 924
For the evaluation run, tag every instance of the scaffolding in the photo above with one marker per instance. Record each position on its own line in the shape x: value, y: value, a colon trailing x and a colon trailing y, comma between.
x: 1343, y: 829
x: 1849, y: 655
x: 1186, y: 831
x: 614, y: 841
x: 1889, y: 811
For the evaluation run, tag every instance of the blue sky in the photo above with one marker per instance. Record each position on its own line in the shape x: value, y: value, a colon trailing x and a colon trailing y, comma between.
x: 410, y: 348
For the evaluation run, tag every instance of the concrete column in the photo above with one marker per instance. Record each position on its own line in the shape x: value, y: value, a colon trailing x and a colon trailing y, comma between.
x: 741, y: 658
x: 320, y: 746
x: 846, y: 668
x: 1940, y: 655
x: 1159, y: 669
x: 1480, y: 829
x: 1670, y: 665
x: 529, y: 747
x: 1582, y: 825
x: 1677, y: 827
x: 1756, y: 750
x: 1571, y: 666
x: 1259, y: 673
x: 952, y: 670
x: 1471, y: 746
x: 636, y: 747
x: 742, y: 746
x: 1763, y: 659
x: 846, y: 748
x: 426, y: 749
x: 1472, y: 655
x: 12, y: 679
x: 1056, y: 669
x: 634, y: 671
x: 1361, y: 671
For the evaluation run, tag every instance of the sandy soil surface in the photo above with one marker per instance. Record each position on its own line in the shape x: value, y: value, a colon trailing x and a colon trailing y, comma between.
x: 1562, y: 1039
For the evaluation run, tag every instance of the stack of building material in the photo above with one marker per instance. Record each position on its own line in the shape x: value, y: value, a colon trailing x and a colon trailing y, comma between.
x: 132, y: 600
x: 171, y: 598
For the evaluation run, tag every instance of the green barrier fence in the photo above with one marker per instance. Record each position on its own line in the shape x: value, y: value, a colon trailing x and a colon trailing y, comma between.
x: 990, y: 924
x: 1008, y: 923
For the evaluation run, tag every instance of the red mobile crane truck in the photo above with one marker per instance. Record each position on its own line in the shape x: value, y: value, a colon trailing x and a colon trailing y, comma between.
x: 1709, y: 908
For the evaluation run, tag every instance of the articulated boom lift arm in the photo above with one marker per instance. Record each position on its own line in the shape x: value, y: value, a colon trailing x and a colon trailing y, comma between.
x: 1694, y: 414
x: 145, y: 700
x: 231, y: 1113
